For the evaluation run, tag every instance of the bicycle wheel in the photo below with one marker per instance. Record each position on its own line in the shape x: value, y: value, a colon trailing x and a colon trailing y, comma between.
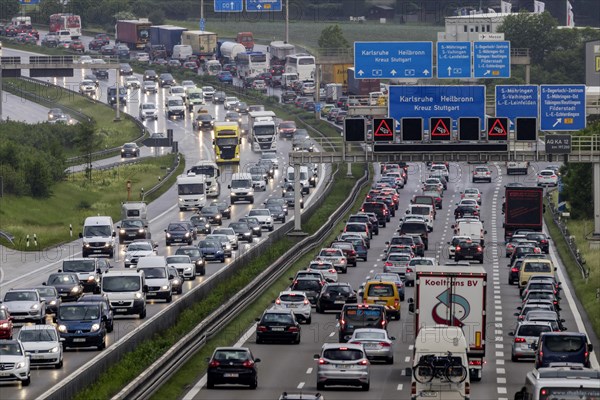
x: 423, y: 372
x: 456, y: 373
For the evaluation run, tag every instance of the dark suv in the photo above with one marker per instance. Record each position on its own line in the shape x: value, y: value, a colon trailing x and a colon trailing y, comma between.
x: 380, y: 209
x: 278, y: 325
x: 311, y: 286
x: 541, y: 239
x: 334, y: 295
x: 354, y: 316
x: 416, y: 228
x: 468, y: 250
x: 232, y: 365
x: 554, y: 347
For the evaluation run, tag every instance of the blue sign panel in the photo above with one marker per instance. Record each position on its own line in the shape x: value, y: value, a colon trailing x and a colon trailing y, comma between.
x: 202, y: 24
x: 491, y: 59
x: 562, y: 107
x: 437, y: 102
x: 453, y: 60
x: 516, y: 101
x: 263, y: 5
x: 29, y: 2
x: 229, y: 6
x: 393, y: 59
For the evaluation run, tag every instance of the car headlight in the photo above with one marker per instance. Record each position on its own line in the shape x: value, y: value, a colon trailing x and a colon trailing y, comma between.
x: 75, y: 289
x: 62, y: 328
x: 122, y: 231
x: 91, y: 279
x: 20, y: 364
x: 269, y: 219
x: 217, y: 217
x: 86, y: 245
x: 95, y: 327
x: 141, y: 230
x: 247, y: 233
x: 138, y: 295
x: 207, y: 226
x: 176, y: 281
x: 53, y: 302
x: 4, y: 325
x: 168, y: 235
x: 35, y: 307
x: 55, y: 349
x: 228, y: 246
x: 187, y: 234
x: 164, y: 287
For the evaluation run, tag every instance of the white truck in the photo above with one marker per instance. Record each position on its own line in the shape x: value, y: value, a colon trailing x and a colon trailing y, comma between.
x: 263, y: 130
x: 454, y: 296
x: 517, y: 167
x: 333, y: 91
x: 211, y: 173
x: 191, y: 191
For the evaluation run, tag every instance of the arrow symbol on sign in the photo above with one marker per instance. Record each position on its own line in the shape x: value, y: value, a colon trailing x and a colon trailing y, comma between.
x: 486, y: 72
x: 259, y: 6
x: 449, y: 71
x: 393, y: 72
x: 558, y: 121
x: 360, y: 72
x: 425, y: 72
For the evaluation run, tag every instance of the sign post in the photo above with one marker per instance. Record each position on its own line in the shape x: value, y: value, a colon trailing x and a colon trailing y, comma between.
x: 393, y: 60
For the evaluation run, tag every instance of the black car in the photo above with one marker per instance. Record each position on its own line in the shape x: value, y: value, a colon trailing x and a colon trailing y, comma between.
x: 166, y: 80
x: 105, y: 308
x: 278, y: 201
x: 212, y: 250
x: 180, y: 232
x: 203, y: 121
x: 311, y: 286
x: 150, y: 75
x: 108, y: 50
x: 130, y: 150
x: 277, y: 212
x: 290, y: 199
x: 232, y: 365
x: 176, y: 281
x: 334, y: 295
x: 212, y: 214
x: 100, y: 73
x: 541, y: 239
x: 354, y: 316
x: 241, y: 107
x: 242, y: 230
x: 50, y: 295
x: 132, y: 229
x: 465, y: 210
x: 224, y: 208
x: 125, y: 69
x: 196, y: 256
x: 254, y: 225
x: 278, y: 325
x: 288, y: 97
x: 219, y: 97
x: 468, y: 250
x: 201, y: 223
x: 67, y: 285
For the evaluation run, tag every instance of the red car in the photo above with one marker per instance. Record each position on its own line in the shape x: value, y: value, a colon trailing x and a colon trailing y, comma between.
x: 77, y: 46
x: 6, y: 324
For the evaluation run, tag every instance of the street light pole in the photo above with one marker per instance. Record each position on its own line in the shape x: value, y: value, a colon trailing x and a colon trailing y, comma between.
x: 201, y: 9
x: 287, y: 21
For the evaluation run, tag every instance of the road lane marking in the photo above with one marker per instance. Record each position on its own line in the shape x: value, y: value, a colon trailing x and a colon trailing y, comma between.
x: 407, y: 359
x: 331, y: 334
x: 399, y: 387
x: 300, y: 385
x: 309, y: 371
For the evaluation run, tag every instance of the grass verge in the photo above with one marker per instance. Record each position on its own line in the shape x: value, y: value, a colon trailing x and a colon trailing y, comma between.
x: 147, y: 352
x: 110, y: 133
x: 585, y: 289
x: 76, y: 198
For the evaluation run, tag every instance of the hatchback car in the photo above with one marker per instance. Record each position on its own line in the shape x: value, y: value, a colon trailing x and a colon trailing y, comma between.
x: 482, y: 173
x: 196, y: 257
x: 547, y: 177
x: 166, y: 80
x: 297, y: 302
x: 130, y: 150
x: 334, y: 296
x: 180, y: 232
x: 67, y: 285
x: 376, y: 342
x: 212, y: 250
x: 6, y: 324
x: 148, y: 110
x: 468, y: 250
x: 326, y: 268
x: 309, y: 285
x: 525, y: 337
x: 232, y: 365
x: 43, y: 344
x: 343, y: 364
x: 278, y: 324
x: 201, y: 223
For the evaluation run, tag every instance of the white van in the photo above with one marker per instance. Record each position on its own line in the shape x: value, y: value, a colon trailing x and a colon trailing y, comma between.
x: 570, y: 381
x: 98, y: 237
x: 436, y: 349
x: 304, y: 179
x: 126, y: 291
x: 157, y: 276
x: 181, y: 51
x: 64, y: 36
x: 241, y: 188
x: 425, y: 210
x: 472, y: 228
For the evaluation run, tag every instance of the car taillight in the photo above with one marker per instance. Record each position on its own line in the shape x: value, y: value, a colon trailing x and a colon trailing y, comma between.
x: 388, y: 264
x: 342, y: 322
x: 384, y: 344
x: 514, y: 269
x: 383, y: 323
x: 364, y: 362
x: 277, y: 301
x: 306, y: 302
x: 261, y: 328
x: 478, y: 248
x: 293, y: 329
x: 331, y: 271
x: 248, y: 364
x: 396, y: 303
x: 214, y: 364
x: 322, y: 361
x: 409, y: 270
x: 457, y: 248
x: 475, y: 362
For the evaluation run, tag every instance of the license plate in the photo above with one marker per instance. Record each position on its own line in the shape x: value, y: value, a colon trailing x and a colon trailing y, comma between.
x: 342, y: 366
x: 292, y: 306
x: 380, y: 302
x: 468, y: 256
x: 79, y: 340
x: 97, y: 251
x: 36, y: 357
x: 121, y: 310
x: 277, y: 329
x: 150, y: 294
x: 369, y: 345
x: 231, y: 375
x: 428, y: 394
x: 131, y: 234
x: 339, y: 302
x: 4, y: 374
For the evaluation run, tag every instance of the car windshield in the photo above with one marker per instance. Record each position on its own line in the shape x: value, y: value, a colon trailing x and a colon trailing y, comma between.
x: 320, y: 266
x: 205, y: 244
x: 341, y: 289
x: 139, y: 247
x: 155, y: 272
x: 132, y: 223
x: 62, y: 279
x: 38, y: 335
x: 231, y: 355
x: 148, y: 106
x: 263, y: 213
x: 121, y: 283
x: 10, y: 349
x: 79, y: 265
x: 88, y: 312
x: 387, y: 277
x: 46, y: 292
x: 278, y: 318
x: 178, y: 260
x: 177, y: 228
x: 192, y: 252
x: 537, y: 267
x: 97, y: 230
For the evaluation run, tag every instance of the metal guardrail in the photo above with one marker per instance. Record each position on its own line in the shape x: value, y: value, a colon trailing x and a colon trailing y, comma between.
x: 567, y: 237
x: 154, y: 188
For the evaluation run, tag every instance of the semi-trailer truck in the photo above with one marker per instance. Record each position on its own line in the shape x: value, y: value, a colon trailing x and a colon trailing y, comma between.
x: 135, y: 33
x: 361, y: 87
x: 167, y: 36
x: 523, y: 208
x: 453, y: 296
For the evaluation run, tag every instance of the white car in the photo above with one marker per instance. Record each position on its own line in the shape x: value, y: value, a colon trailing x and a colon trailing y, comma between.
x: 208, y: 92
x: 85, y: 60
x: 231, y: 236
x: 188, y: 85
x: 230, y: 103
x: 297, y: 302
x: 184, y: 266
x: 263, y: 215
x: 148, y: 111
x: 376, y: 342
x: 138, y: 249
x: 25, y: 305
x: 471, y: 193
x: 142, y: 57
x: 440, y: 167
x: 482, y: 173
x: 88, y: 87
x: 132, y: 82
x: 326, y: 268
x: 335, y: 257
x: 547, y: 177
x: 414, y: 264
x: 43, y: 344
x: 15, y: 362
x: 177, y: 91
x: 149, y: 87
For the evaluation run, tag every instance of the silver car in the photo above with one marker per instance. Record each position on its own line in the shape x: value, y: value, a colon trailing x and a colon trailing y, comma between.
x: 231, y: 236
x: 397, y: 263
x: 414, y: 264
x: 525, y: 336
x: 342, y: 364
x: 184, y: 266
x: 43, y: 343
x: 376, y: 342
x: 296, y: 301
x: 326, y: 268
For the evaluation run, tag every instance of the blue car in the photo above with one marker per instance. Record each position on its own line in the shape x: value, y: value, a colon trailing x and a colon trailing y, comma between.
x: 82, y: 324
x: 225, y: 77
x: 212, y: 250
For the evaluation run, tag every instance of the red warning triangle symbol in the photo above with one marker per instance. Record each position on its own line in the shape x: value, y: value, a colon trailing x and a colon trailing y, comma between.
x: 498, y: 129
x: 383, y: 129
x: 440, y: 129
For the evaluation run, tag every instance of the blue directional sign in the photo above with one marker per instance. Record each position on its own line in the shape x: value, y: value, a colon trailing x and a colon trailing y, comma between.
x: 516, y: 101
x: 491, y: 59
x: 393, y: 59
x: 453, y: 60
x: 202, y: 24
x: 437, y: 102
x: 29, y: 2
x: 229, y: 5
x: 263, y: 5
x: 562, y: 107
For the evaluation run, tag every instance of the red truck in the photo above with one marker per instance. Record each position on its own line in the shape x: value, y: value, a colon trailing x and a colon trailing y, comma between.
x: 247, y: 39
x: 523, y: 208
x: 135, y: 33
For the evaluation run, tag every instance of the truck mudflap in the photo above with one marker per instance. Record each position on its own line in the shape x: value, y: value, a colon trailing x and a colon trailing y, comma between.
x: 476, y: 368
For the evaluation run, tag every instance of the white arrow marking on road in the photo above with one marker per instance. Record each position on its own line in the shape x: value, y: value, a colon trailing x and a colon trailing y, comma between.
x: 393, y: 72
x: 486, y: 72
x: 558, y: 121
x: 360, y: 72
x: 449, y: 71
x: 425, y: 72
